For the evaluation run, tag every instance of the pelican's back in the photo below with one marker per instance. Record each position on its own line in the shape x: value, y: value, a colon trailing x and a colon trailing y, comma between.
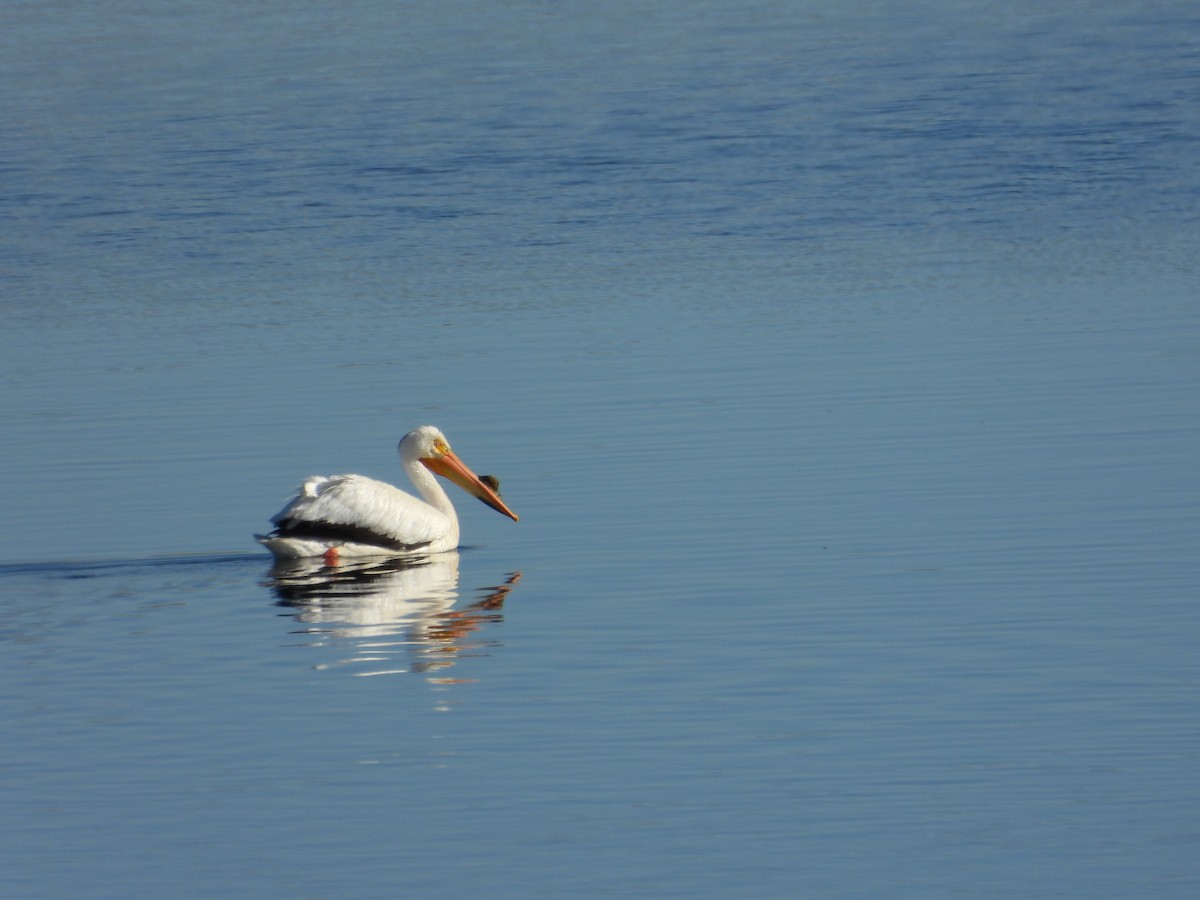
x: 354, y: 509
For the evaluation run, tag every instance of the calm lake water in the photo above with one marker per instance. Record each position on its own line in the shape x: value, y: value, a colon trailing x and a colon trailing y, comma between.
x: 842, y: 363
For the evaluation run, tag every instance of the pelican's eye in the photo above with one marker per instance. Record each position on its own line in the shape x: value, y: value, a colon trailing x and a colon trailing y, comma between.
x: 440, y: 447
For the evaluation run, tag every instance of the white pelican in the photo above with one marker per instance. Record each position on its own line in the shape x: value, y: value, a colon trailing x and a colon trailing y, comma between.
x: 352, y: 515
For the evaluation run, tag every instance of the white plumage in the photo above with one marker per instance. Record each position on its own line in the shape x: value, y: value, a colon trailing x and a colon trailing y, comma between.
x: 352, y: 515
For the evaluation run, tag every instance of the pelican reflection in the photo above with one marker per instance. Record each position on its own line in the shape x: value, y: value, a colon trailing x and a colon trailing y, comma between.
x: 395, y: 615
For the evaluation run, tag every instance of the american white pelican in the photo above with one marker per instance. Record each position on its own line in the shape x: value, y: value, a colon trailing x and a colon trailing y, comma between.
x: 352, y: 515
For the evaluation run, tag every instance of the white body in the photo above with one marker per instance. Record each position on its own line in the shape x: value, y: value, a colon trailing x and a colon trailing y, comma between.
x: 356, y: 516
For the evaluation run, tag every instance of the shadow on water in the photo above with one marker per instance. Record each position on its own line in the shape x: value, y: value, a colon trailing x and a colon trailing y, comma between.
x: 398, y: 614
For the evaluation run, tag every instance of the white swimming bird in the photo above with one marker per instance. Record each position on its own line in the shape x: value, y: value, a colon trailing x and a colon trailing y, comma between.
x: 352, y: 515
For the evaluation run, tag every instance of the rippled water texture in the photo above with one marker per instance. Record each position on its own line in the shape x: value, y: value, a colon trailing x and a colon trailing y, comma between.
x: 840, y: 361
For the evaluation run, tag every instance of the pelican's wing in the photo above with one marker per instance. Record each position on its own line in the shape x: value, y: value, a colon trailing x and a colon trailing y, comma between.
x: 357, y: 508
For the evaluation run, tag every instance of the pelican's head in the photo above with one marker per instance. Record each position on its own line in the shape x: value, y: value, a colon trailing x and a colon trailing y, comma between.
x: 429, y: 446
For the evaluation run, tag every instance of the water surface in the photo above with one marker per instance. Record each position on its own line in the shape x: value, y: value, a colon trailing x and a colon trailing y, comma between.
x: 841, y: 365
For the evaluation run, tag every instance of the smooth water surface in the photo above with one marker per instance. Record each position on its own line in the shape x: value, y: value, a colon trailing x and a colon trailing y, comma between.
x: 841, y: 363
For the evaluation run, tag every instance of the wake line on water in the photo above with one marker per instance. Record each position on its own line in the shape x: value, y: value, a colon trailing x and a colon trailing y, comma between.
x: 84, y: 568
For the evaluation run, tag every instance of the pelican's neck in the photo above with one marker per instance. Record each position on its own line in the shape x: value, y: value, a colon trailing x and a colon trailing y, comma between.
x: 430, y: 490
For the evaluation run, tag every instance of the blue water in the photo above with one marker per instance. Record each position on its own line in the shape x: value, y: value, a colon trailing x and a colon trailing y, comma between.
x: 841, y: 362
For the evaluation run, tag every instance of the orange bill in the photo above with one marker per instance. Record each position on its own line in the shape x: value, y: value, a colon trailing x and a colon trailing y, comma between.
x: 450, y: 466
